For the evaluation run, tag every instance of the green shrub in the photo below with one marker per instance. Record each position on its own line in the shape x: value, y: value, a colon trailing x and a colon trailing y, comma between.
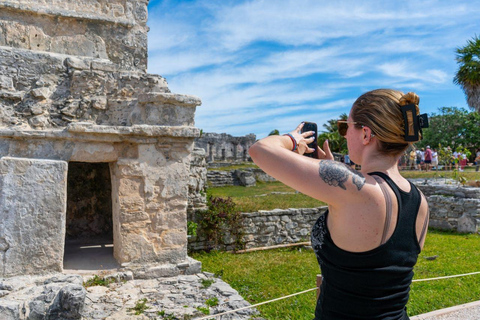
x: 220, y: 217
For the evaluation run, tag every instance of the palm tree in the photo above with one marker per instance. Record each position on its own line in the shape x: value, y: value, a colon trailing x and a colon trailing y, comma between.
x: 336, y: 141
x: 468, y: 74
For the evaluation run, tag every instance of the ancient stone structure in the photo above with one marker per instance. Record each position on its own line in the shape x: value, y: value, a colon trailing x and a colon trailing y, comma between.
x: 452, y: 206
x: 245, y: 177
x: 224, y: 147
x: 75, y: 98
x: 197, y: 185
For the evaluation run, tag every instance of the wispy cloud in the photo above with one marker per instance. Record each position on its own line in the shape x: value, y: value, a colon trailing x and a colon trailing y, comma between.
x: 260, y: 65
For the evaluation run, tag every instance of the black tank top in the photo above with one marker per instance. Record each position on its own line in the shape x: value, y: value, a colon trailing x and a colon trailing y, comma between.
x: 371, y: 285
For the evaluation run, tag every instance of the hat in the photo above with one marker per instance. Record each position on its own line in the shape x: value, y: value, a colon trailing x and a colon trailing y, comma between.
x: 428, y: 147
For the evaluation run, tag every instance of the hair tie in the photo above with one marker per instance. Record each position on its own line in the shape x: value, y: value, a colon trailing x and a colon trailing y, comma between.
x: 413, y: 123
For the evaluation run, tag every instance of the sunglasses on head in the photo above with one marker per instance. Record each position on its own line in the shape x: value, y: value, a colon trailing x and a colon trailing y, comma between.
x: 343, y: 126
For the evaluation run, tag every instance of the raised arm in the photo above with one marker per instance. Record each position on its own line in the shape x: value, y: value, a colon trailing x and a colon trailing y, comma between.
x: 323, y: 179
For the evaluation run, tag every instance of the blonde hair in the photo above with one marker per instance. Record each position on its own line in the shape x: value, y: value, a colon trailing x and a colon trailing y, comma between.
x: 380, y: 111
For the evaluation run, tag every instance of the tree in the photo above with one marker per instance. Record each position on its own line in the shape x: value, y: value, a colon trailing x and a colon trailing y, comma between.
x: 336, y: 142
x: 468, y: 74
x: 274, y: 132
x: 452, y: 127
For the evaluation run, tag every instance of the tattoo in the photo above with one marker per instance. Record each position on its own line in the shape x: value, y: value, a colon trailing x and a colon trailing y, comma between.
x: 336, y: 174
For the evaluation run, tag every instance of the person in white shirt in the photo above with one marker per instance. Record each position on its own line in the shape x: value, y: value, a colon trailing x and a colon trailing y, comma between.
x: 435, y: 159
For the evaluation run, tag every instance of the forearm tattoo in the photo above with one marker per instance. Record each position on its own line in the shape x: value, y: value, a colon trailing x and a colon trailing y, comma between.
x: 336, y: 174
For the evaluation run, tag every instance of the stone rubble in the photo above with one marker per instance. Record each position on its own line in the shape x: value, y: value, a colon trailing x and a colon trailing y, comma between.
x: 62, y: 296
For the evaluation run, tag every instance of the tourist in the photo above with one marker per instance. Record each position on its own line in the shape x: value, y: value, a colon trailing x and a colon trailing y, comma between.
x: 456, y: 157
x: 412, y: 159
x: 463, y: 161
x: 419, y: 156
x: 435, y: 159
x: 428, y: 158
x: 366, y: 243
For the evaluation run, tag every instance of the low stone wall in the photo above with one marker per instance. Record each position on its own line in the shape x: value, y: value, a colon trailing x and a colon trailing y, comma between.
x: 269, y: 228
x: 452, y: 207
x: 244, y: 177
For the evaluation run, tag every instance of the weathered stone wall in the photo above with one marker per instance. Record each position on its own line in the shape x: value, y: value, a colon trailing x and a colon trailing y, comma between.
x: 115, y: 29
x: 222, y: 146
x: 269, y: 228
x: 452, y: 206
x: 197, y: 185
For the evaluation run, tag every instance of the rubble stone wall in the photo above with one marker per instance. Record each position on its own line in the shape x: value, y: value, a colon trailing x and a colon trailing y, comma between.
x: 269, y: 228
x: 453, y: 207
x: 115, y: 30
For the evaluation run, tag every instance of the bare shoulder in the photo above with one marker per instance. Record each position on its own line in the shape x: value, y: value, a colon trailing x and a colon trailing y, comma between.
x: 337, y: 174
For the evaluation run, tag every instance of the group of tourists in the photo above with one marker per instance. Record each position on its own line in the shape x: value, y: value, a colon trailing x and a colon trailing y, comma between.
x: 426, y: 159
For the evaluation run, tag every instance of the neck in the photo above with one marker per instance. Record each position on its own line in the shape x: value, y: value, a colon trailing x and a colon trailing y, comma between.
x: 381, y: 163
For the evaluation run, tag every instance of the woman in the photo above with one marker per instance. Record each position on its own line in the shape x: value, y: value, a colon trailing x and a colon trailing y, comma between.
x: 369, y: 240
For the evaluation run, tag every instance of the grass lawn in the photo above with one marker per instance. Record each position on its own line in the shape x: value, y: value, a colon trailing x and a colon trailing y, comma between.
x: 265, y: 196
x: 469, y: 174
x: 271, y: 195
x: 265, y: 275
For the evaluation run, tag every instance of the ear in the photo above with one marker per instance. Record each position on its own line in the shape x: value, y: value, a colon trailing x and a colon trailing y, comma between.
x: 367, y: 135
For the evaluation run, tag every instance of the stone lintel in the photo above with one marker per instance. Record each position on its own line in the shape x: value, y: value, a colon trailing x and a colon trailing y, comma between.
x: 172, y: 98
x: 32, y: 8
x: 82, y: 131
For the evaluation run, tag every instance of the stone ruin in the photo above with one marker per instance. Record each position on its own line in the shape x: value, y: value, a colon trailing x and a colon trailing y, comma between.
x: 93, y: 149
x: 224, y: 147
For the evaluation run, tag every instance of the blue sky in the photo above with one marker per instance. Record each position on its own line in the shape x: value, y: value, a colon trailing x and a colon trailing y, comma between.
x: 264, y: 65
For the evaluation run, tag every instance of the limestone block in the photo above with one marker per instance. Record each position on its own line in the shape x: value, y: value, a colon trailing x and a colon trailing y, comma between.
x: 40, y: 121
x: 467, y: 224
x: 38, y: 40
x: 246, y: 178
x: 6, y: 83
x: 41, y: 93
x: 9, y: 310
x: 32, y: 215
x: 69, y: 303
x: 99, y: 103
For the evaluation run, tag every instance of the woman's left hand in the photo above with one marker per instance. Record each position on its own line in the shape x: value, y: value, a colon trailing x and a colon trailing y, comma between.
x: 303, y: 139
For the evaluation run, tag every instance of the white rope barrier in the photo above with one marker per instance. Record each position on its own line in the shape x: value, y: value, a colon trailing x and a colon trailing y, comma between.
x: 254, y: 305
x: 446, y: 277
x: 302, y: 292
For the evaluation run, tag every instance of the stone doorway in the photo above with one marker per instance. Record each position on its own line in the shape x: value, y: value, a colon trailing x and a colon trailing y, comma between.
x: 89, y: 226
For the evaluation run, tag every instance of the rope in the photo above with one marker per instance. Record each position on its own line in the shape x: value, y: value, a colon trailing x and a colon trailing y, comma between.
x: 254, y: 305
x: 446, y: 277
x: 298, y: 293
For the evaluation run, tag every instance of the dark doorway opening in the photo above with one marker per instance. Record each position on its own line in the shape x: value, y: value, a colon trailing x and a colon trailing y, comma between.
x: 89, y: 225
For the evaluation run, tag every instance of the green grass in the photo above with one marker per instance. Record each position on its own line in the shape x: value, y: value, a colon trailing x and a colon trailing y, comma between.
x: 469, y: 174
x: 265, y: 275
x: 234, y: 167
x: 248, y: 199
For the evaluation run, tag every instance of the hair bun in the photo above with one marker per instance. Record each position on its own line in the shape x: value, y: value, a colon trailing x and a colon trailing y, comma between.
x: 409, y: 98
